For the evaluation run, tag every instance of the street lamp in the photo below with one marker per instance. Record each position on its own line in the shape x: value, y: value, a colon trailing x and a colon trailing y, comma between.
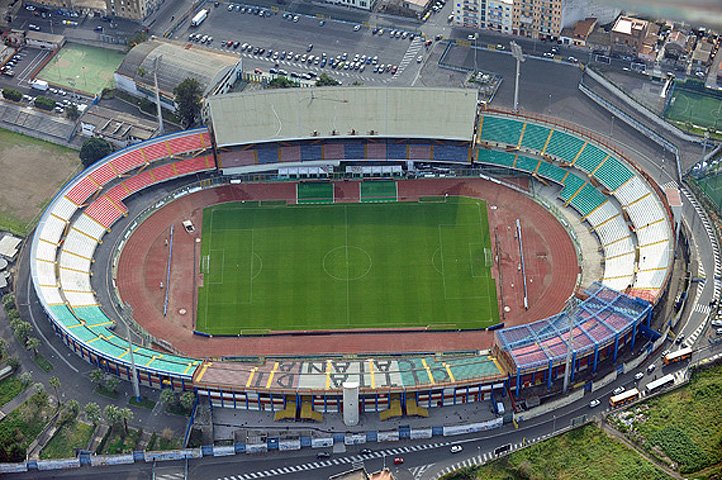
x: 519, y: 57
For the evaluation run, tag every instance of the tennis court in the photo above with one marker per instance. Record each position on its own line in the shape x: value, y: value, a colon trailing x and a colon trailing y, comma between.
x: 83, y: 68
x: 346, y: 266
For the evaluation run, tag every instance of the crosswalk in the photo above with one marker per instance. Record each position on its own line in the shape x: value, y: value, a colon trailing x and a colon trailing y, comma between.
x: 703, y: 309
x: 347, y: 460
x: 480, y: 459
x: 410, y: 55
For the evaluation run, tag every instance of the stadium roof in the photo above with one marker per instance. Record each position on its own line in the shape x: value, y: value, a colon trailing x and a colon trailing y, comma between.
x: 337, y: 112
x: 175, y: 65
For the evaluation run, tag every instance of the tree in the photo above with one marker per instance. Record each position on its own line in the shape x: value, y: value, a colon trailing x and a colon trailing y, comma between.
x: 137, y: 38
x: 111, y: 383
x: 12, y: 94
x: 44, y: 103
x: 32, y: 344
x: 3, y: 348
x: 167, y: 396
x: 111, y: 414
x: 72, y: 112
x: 325, y: 81
x: 96, y: 376
x: 92, y: 412
x: 187, y: 400
x: 126, y: 415
x: 282, y: 82
x: 94, y: 149
x: 55, y: 383
x: 40, y: 397
x: 70, y: 411
x: 9, y: 301
x: 188, y: 100
x: 26, y: 378
x: 13, y: 362
x: 22, y: 330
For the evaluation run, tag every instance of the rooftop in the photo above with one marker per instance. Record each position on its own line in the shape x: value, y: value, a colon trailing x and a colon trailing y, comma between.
x: 629, y: 25
x: 119, y: 125
x: 337, y: 112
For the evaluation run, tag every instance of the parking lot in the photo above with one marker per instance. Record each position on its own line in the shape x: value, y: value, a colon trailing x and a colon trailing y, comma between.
x: 267, y: 36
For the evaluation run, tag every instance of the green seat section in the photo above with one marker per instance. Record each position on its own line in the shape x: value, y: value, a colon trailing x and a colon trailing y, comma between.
x: 494, y: 157
x: 564, y: 146
x: 613, y: 173
x: 535, y: 137
x: 526, y: 164
x: 590, y: 158
x: 551, y: 172
x: 571, y: 185
x: 64, y: 315
x: 587, y: 200
x: 501, y: 130
x: 92, y: 315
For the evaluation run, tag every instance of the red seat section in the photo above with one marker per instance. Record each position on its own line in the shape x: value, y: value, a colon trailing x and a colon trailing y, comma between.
x: 194, y: 165
x: 164, y: 172
x: 117, y: 193
x: 82, y: 191
x: 128, y: 161
x: 104, y: 174
x: 156, y: 151
x: 104, y: 211
x: 189, y: 143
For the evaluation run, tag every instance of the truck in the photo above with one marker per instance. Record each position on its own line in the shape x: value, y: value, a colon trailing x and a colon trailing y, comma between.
x: 41, y: 85
x: 199, y: 18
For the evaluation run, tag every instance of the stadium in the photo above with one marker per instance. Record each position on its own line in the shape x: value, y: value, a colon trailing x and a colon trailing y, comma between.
x: 390, y: 237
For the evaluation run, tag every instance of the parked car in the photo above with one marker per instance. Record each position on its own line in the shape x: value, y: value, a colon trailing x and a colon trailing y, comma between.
x: 366, y: 451
x: 398, y: 460
x: 618, y: 390
x: 356, y: 28
x: 594, y: 403
x: 456, y: 448
x: 638, y: 375
x: 321, y: 455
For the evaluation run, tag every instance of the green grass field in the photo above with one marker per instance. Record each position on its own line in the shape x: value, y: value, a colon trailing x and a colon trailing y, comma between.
x: 711, y: 185
x: 84, y: 68
x: 346, y: 266
x: 695, y: 108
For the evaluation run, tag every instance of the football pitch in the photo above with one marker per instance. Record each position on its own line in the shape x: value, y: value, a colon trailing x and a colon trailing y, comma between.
x: 696, y: 108
x: 346, y: 266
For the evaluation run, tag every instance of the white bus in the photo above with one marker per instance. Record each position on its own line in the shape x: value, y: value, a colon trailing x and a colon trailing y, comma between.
x: 659, y: 383
x: 199, y: 18
x: 678, y: 356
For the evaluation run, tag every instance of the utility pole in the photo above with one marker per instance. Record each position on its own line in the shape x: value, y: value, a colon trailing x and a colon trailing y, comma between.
x: 519, y: 57
x: 156, y: 63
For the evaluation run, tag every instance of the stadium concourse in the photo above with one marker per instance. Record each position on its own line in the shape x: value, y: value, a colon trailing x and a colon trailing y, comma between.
x: 322, y: 132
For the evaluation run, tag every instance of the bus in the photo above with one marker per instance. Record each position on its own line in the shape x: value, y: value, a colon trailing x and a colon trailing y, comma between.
x: 6, y: 372
x: 199, y: 18
x: 678, y: 356
x: 624, y: 398
x: 659, y: 383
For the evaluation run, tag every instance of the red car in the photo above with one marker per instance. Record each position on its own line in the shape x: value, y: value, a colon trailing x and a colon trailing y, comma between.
x: 398, y: 460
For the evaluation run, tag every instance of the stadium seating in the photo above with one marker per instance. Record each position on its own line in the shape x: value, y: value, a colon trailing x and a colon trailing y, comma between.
x: 104, y: 174
x: 311, y: 152
x: 535, y: 137
x: 500, y: 130
x: 396, y: 151
x: 82, y: 191
x: 351, y: 151
x: 572, y: 183
x: 495, y: 157
x: 267, y: 154
x: 127, y: 161
x: 105, y: 212
x: 564, y: 146
x: 420, y: 152
x: 376, y: 151
x: 451, y: 153
x: 290, y: 153
x: 526, y: 164
x: 589, y: 158
x: 587, y: 199
x: 612, y: 173
x: 551, y: 172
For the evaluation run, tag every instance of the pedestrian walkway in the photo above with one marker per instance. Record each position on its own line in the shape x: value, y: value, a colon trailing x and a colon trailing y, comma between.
x: 347, y: 460
x: 9, y: 407
x: 409, y: 56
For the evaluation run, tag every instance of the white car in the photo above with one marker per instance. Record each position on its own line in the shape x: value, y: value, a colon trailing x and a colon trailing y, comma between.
x: 638, y: 375
x: 419, y: 59
x: 594, y: 403
x: 356, y: 28
x: 456, y: 448
x: 619, y: 390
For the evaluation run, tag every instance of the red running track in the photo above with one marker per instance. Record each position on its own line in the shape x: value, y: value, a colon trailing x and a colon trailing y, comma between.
x: 549, y: 254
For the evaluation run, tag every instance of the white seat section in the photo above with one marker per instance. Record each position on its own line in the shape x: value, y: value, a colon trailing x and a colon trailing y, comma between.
x: 655, y: 256
x: 619, y: 284
x: 621, y: 247
x: 52, y: 229
x: 620, y: 266
x: 73, y: 281
x: 46, y: 251
x: 79, y: 244
x: 631, y: 191
x: 602, y: 214
x: 645, y: 211
x: 650, y: 279
x: 87, y: 225
x: 46, y: 273
x: 51, y: 295
x: 613, y: 230
x: 653, y: 233
x: 64, y: 208
x: 74, y: 262
x: 80, y: 299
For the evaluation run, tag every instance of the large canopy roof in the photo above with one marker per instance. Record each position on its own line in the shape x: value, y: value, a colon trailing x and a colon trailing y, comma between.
x: 337, y: 112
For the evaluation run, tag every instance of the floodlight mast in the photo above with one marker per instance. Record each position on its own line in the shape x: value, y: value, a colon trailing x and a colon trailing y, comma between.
x: 519, y: 57
x: 156, y: 65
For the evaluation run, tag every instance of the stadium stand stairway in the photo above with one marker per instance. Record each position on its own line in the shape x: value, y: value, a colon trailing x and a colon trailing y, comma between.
x: 627, y: 216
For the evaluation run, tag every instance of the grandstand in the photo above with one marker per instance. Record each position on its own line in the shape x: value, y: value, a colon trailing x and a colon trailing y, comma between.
x: 595, y: 180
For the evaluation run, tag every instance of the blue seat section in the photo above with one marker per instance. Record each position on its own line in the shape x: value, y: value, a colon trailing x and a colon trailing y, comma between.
x: 267, y: 154
x: 535, y: 137
x: 590, y: 158
x: 311, y: 153
x: 551, y: 172
x: 494, y: 157
x: 500, y: 129
x: 354, y: 151
x: 396, y: 151
x: 613, y: 173
x: 571, y: 185
x: 587, y: 200
x: 564, y: 146
x: 526, y: 164
x: 451, y: 153
x: 63, y: 313
x: 91, y: 315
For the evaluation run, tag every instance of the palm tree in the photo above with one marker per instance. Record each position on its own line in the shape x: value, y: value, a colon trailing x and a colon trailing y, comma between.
x: 96, y: 376
x: 125, y: 414
x: 55, y: 383
x: 92, y: 412
x: 111, y: 414
x: 32, y: 344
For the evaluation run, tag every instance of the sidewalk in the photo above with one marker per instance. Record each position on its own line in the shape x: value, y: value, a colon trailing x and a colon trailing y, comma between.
x: 9, y: 407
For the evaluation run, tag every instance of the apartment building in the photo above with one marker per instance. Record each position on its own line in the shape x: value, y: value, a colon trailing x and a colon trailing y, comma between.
x: 132, y: 9
x: 499, y: 15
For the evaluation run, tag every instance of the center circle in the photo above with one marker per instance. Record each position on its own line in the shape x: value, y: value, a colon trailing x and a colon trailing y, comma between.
x: 347, y: 263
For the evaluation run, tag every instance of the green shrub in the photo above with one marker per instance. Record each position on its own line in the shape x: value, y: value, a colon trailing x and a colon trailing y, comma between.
x: 12, y: 94
x: 44, y: 103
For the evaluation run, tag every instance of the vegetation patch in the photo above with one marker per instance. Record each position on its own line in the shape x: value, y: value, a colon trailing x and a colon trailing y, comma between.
x: 585, y: 453
x: 143, y: 403
x: 19, y: 429
x: 10, y: 388
x: 120, y: 441
x: 43, y: 363
x: 72, y: 436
